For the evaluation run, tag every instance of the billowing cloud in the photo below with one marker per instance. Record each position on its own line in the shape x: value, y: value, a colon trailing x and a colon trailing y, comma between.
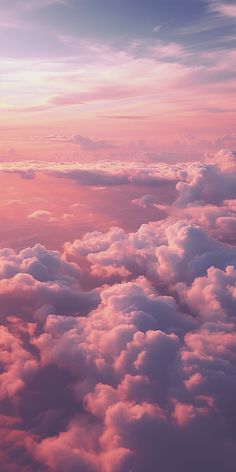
x: 209, y: 183
x: 166, y: 251
x: 118, y: 352
x: 35, y: 282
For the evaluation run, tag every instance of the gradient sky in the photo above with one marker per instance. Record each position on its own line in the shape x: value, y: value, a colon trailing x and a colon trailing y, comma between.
x: 116, y: 78
x: 118, y: 236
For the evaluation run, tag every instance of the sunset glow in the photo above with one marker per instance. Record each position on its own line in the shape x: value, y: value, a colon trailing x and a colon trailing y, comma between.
x: 118, y: 236
x: 145, y: 77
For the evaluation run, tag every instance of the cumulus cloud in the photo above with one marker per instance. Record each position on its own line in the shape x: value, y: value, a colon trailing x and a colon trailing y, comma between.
x: 164, y: 252
x: 118, y: 353
x: 36, y: 281
x: 189, y: 252
x: 209, y: 183
x: 218, y: 221
x: 213, y: 296
x: 145, y: 201
x: 17, y: 364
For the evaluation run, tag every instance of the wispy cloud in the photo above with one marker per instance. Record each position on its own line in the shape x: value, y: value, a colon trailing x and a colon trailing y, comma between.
x: 218, y: 16
x: 14, y: 15
x: 85, y: 143
x: 223, y: 8
x: 36, y: 5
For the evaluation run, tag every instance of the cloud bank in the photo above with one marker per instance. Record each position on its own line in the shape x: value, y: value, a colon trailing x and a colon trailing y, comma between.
x: 118, y: 352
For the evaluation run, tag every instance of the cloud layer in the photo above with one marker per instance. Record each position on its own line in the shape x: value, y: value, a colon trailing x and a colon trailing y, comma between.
x: 118, y: 352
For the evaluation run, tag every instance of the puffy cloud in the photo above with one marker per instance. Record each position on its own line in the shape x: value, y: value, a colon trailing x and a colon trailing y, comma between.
x: 210, y: 182
x: 189, y: 252
x: 213, y: 297
x: 42, y: 264
x: 94, y: 242
x: 218, y: 221
x: 16, y: 362
x: 26, y: 296
x: 206, y: 183
x: 165, y: 252
x: 99, y: 173
x: 106, y: 341
x: 145, y: 201
x: 116, y: 255
x: 118, y: 355
x: 144, y: 386
x: 16, y: 446
x: 36, y: 281
x: 69, y: 450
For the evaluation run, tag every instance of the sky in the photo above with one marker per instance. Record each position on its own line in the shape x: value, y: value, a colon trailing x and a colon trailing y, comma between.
x: 117, y: 236
x: 88, y: 80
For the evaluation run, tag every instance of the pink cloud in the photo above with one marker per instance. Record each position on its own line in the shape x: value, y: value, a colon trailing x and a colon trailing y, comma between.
x: 138, y: 372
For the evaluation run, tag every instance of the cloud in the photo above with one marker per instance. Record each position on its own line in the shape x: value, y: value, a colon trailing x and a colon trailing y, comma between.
x: 212, y: 296
x: 96, y: 94
x: 226, y: 141
x: 157, y: 28
x: 40, y: 280
x: 218, y: 221
x: 125, y: 117
x: 48, y: 217
x: 100, y: 172
x: 209, y: 183
x: 34, y: 5
x: 190, y: 252
x: 17, y: 364
x: 118, y: 352
x: 145, y: 201
x: 146, y: 363
x: 167, y: 251
x: 43, y: 215
x: 90, y: 144
x: 223, y: 8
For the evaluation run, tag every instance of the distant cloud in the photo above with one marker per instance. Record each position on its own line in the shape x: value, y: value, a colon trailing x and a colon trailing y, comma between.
x: 90, y: 144
x: 226, y: 141
x: 126, y: 117
x: 146, y: 201
x: 223, y: 8
x: 43, y: 215
x: 35, y: 4
x: 157, y: 28
x: 85, y: 143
